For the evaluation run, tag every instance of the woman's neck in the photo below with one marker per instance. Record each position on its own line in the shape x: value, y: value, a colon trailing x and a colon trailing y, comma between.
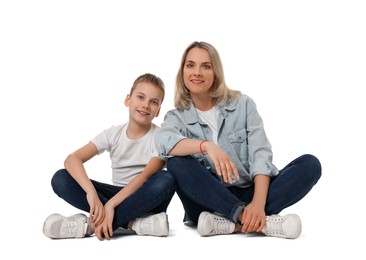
x: 203, y: 103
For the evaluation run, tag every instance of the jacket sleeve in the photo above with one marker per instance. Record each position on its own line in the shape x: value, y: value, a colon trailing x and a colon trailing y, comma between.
x: 169, y: 134
x: 259, y: 147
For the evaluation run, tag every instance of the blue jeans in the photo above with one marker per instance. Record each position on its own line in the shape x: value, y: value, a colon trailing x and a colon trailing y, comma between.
x: 200, y: 190
x: 153, y: 196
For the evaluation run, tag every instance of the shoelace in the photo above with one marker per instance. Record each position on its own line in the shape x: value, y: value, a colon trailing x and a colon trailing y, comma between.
x: 274, y: 227
x: 70, y: 228
x: 146, y: 226
x: 221, y: 226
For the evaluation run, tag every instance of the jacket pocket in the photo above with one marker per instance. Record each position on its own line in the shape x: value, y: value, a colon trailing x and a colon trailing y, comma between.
x: 239, y: 143
x: 238, y: 136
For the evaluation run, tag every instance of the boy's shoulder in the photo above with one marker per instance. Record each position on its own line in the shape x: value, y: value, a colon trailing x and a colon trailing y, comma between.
x: 154, y: 128
x: 115, y: 130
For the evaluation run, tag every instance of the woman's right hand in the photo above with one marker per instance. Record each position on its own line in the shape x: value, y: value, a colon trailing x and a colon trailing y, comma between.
x: 224, y: 166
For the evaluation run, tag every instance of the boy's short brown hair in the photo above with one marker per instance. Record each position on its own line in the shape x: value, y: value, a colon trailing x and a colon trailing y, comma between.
x: 151, y: 78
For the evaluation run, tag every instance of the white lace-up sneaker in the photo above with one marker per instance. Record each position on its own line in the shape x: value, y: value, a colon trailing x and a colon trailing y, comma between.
x: 152, y: 225
x: 288, y: 226
x: 210, y: 224
x: 58, y: 226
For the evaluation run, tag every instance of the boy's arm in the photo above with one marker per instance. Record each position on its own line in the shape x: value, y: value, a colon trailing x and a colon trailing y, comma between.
x: 74, y: 164
x: 154, y: 165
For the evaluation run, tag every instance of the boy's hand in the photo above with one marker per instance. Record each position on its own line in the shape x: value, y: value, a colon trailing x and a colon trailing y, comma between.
x: 105, y: 229
x: 97, y: 212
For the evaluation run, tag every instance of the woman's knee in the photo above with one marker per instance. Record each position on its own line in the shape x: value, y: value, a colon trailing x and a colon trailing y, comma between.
x: 163, y: 180
x: 167, y: 178
x: 314, y: 166
x: 178, y: 162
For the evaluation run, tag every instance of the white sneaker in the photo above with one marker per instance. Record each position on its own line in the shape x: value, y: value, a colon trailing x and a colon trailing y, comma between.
x: 58, y: 226
x: 288, y: 226
x: 152, y: 225
x: 210, y: 224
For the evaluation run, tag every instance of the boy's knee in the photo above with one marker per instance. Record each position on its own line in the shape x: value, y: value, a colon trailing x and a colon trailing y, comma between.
x: 59, y: 180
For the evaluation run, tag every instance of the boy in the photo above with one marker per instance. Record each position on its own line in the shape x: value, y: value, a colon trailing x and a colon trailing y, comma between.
x: 141, y: 190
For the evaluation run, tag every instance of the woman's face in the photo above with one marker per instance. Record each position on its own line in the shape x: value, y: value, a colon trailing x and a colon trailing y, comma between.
x: 198, y: 74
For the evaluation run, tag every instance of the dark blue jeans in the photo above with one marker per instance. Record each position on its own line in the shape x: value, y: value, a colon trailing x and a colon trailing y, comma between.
x: 153, y: 196
x: 200, y: 190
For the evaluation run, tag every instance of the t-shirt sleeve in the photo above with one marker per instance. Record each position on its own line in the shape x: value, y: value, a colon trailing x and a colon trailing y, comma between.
x: 154, y: 150
x: 102, y: 143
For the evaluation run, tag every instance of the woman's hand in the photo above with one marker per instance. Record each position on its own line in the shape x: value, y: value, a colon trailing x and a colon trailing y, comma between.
x: 254, y: 215
x: 223, y: 164
x: 253, y: 218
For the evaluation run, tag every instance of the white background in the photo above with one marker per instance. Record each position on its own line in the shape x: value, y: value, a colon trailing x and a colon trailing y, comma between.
x: 66, y: 67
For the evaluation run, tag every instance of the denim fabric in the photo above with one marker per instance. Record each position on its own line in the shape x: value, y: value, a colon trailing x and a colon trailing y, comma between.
x: 200, y: 190
x: 153, y: 196
x: 241, y: 135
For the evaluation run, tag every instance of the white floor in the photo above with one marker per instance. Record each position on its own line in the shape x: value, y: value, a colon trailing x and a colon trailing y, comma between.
x: 324, y: 236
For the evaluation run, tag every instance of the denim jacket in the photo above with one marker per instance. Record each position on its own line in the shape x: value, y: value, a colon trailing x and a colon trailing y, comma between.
x: 240, y: 134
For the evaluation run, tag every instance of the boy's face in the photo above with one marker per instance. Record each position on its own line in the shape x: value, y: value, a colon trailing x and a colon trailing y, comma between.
x: 144, y: 103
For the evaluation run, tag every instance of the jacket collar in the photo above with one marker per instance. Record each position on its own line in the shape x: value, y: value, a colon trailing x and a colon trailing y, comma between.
x: 191, y: 114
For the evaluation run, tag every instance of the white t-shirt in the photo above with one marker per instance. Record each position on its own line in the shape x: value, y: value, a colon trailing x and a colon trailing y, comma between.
x: 210, y: 118
x: 128, y: 157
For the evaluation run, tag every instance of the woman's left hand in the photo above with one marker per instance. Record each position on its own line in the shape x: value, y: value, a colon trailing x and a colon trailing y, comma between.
x: 253, y: 218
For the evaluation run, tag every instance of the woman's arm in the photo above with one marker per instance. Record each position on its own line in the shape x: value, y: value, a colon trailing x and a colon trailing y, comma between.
x: 186, y: 147
x: 223, y: 164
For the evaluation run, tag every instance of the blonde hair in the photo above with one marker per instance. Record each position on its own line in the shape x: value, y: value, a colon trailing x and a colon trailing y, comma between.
x: 219, y: 90
x: 150, y: 78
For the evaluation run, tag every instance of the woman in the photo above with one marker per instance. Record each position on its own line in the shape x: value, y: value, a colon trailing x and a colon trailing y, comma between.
x: 218, y: 152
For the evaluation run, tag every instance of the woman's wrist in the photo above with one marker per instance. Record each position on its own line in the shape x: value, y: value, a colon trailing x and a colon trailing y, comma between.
x: 201, y: 147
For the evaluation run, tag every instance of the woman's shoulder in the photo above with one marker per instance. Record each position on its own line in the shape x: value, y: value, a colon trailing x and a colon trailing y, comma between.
x: 245, y: 97
x: 243, y: 100
x: 176, y: 111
